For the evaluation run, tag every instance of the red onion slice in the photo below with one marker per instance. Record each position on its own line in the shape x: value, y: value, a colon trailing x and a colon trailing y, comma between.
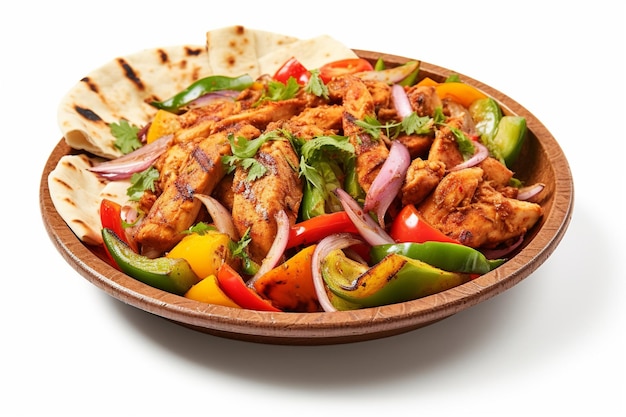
x: 367, y: 227
x: 480, y: 155
x: 277, y: 249
x: 221, y: 216
x: 401, y: 101
x: 323, y: 248
x: 211, y: 97
x: 528, y: 193
x: 502, y: 252
x: 388, y: 182
x: 138, y: 160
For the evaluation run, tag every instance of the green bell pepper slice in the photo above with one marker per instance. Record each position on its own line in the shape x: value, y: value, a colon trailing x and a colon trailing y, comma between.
x: 509, y: 138
x: 502, y: 135
x: 487, y: 115
x: 453, y: 257
x: 201, y: 87
x: 395, y: 279
x: 173, y: 275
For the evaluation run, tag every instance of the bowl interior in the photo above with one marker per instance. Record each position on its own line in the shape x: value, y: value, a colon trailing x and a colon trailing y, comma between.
x: 541, y: 160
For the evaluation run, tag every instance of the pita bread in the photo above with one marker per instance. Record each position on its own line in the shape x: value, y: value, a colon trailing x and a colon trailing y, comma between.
x: 122, y: 90
x: 235, y: 50
x: 312, y: 53
x: 77, y: 192
x: 119, y: 90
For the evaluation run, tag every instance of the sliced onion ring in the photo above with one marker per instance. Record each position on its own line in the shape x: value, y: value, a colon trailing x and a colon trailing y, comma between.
x: 211, y: 97
x: 502, y: 252
x: 388, y: 182
x: 221, y: 216
x: 480, y: 155
x: 277, y: 249
x: 369, y: 230
x: 323, y: 248
x: 401, y: 101
x: 529, y: 192
x: 136, y: 161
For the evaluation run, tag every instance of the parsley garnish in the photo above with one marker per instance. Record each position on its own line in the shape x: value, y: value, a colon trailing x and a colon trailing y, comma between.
x: 464, y: 143
x: 142, y: 181
x: 238, y: 250
x: 316, y: 86
x: 371, y: 126
x: 200, y: 228
x: 243, y: 152
x: 125, y: 134
x: 277, y: 91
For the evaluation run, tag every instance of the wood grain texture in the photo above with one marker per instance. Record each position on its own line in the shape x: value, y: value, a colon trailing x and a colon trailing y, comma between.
x: 541, y: 160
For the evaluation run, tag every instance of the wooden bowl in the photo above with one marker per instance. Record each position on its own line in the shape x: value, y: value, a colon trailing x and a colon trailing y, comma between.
x: 541, y: 160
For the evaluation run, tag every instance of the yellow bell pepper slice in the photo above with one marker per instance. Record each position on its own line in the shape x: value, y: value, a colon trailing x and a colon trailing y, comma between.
x: 209, y: 291
x: 163, y: 123
x: 205, y: 252
x: 461, y: 93
x: 427, y: 81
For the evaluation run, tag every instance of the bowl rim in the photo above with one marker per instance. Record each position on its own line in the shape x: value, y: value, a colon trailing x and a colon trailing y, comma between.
x: 342, y: 326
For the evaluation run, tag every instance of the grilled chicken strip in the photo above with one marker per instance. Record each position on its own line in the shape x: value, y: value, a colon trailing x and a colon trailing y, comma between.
x: 358, y: 104
x: 421, y: 179
x: 445, y: 148
x: 322, y: 120
x: 466, y: 207
x: 256, y: 202
x: 176, y: 209
x: 424, y: 100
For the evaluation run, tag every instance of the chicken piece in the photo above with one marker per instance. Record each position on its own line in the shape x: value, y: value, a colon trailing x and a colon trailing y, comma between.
x: 358, y: 104
x: 445, y: 148
x: 255, y: 203
x: 421, y: 179
x: 176, y: 209
x: 424, y: 100
x: 455, y: 110
x: 195, y: 125
x: 466, y: 207
x: 261, y: 116
x: 418, y: 145
x: 323, y: 120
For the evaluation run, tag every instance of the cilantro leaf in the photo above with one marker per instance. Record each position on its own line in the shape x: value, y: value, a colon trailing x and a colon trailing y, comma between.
x: 238, y: 250
x: 142, y: 181
x: 126, y: 139
x: 316, y: 86
x: 371, y: 126
x: 419, y: 125
x: 277, y: 91
x: 243, y: 152
x: 465, y: 144
x: 200, y: 228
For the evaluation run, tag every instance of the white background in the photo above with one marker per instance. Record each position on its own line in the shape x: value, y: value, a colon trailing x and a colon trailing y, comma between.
x: 552, y: 345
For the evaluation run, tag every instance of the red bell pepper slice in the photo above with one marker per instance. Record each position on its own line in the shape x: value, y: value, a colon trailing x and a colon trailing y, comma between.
x: 408, y: 226
x: 316, y: 228
x: 292, y: 68
x: 344, y: 67
x: 236, y: 289
x: 111, y: 218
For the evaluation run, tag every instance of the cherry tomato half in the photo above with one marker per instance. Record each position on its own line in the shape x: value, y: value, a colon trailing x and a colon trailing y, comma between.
x: 344, y: 67
x: 293, y: 68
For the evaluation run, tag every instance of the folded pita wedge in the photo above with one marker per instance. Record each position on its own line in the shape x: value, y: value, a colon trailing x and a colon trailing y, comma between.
x: 121, y: 89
